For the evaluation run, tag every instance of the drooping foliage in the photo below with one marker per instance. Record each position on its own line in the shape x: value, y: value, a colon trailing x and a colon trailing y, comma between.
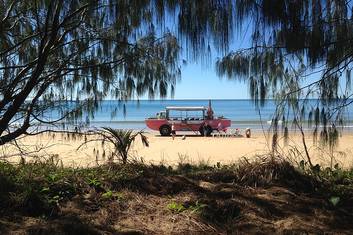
x: 298, y: 50
x: 56, y: 54
x: 74, y: 53
x: 119, y: 139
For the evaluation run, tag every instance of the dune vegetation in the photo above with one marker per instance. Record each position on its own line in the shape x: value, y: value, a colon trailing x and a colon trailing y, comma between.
x: 267, y: 195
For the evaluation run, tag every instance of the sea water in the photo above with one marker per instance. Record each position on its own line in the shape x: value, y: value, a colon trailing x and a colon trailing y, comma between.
x: 242, y: 113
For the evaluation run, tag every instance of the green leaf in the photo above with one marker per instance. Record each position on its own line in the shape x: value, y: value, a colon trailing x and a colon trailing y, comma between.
x: 45, y: 190
x: 107, y: 195
x: 335, y: 200
x: 176, y: 207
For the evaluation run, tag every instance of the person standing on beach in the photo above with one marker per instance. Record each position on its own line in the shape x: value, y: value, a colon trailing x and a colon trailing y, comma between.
x: 209, y: 111
x: 205, y: 129
x: 173, y: 130
x: 220, y: 127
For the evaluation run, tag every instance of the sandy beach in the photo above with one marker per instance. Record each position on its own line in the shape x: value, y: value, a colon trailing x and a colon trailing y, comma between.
x: 192, y: 149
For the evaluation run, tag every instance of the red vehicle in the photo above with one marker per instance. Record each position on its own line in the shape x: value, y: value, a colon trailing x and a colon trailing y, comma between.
x: 196, y: 119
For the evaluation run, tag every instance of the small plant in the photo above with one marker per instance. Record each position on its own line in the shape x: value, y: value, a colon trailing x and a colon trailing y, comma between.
x: 121, y: 140
x: 334, y: 200
x: 108, y: 195
x: 94, y: 182
x: 52, y: 177
x: 45, y: 190
x: 176, y: 207
x: 197, y: 208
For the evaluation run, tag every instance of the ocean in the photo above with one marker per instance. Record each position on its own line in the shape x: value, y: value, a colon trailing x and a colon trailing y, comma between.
x: 242, y: 113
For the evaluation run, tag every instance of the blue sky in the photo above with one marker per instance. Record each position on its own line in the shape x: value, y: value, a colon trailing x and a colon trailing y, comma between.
x: 201, y: 82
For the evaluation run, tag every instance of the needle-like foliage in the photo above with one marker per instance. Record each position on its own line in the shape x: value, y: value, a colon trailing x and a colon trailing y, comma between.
x: 298, y: 50
x: 60, y: 58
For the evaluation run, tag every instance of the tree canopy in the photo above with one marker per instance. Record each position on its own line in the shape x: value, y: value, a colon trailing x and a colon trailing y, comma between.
x: 55, y: 54
x: 299, y: 50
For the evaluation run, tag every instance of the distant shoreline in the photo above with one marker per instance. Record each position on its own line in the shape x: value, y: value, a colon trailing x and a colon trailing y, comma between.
x: 255, y: 126
x: 131, y: 115
x: 203, y: 99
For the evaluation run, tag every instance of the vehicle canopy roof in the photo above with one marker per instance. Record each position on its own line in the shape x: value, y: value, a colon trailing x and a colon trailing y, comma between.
x: 186, y: 108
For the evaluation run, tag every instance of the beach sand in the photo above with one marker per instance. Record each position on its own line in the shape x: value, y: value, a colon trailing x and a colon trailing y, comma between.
x: 192, y: 149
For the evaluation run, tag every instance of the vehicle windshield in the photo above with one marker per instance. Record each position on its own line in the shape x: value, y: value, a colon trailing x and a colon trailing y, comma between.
x: 161, y: 115
x: 186, y: 115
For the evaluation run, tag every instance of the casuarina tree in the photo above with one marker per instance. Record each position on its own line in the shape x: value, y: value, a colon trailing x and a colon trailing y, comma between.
x: 297, y: 50
x: 63, y: 57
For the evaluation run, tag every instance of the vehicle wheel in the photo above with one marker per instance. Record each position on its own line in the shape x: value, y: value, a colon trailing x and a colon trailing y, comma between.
x: 165, y: 130
x: 208, y: 131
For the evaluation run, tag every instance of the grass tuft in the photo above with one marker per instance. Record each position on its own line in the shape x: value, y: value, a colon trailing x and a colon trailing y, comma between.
x: 40, y: 188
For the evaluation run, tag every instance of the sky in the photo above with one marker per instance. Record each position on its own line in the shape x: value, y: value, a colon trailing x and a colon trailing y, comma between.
x: 201, y: 82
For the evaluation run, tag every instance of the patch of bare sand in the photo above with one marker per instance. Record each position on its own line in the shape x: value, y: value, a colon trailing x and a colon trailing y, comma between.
x: 192, y: 149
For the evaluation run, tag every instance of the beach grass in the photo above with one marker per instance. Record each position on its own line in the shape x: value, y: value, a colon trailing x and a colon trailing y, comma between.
x: 214, y: 198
